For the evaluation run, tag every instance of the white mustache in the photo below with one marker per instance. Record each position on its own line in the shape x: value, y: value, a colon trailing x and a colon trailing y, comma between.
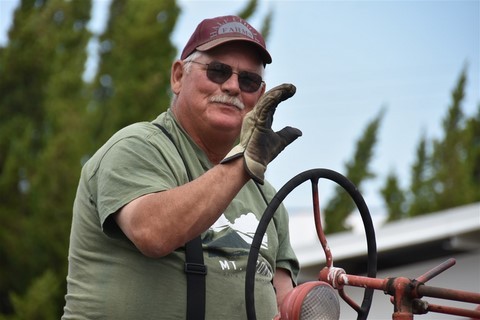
x: 228, y: 100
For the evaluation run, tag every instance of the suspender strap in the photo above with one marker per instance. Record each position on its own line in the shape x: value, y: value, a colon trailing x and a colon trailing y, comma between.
x: 196, y: 272
x: 195, y: 269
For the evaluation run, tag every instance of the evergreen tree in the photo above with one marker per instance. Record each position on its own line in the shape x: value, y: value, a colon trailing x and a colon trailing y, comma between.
x: 394, y: 198
x: 133, y: 80
x: 42, y: 64
x: 53, y: 184
x: 450, y: 180
x: 472, y: 158
x: 448, y: 175
x: 37, y: 302
x: 422, y: 193
x: 250, y: 9
x: 357, y: 171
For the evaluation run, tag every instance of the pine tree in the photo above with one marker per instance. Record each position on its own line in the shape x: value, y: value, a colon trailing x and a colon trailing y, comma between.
x: 422, y: 193
x: 472, y: 159
x: 448, y: 174
x: 133, y: 80
x: 394, y: 198
x: 357, y: 171
x: 33, y: 120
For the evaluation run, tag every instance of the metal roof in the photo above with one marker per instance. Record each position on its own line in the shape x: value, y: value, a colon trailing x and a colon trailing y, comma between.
x: 459, y: 226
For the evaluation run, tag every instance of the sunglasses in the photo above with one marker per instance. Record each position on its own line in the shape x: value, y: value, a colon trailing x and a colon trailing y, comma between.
x: 219, y: 73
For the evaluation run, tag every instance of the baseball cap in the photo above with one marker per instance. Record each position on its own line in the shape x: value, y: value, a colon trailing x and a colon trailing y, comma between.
x: 216, y: 31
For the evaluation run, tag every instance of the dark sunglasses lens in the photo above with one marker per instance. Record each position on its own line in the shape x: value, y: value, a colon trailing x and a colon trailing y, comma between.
x: 249, y: 82
x: 218, y: 72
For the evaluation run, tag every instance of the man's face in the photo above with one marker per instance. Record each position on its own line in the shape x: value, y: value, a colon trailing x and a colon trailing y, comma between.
x: 208, y: 106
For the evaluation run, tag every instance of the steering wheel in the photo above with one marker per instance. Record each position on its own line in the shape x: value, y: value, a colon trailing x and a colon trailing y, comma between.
x: 313, y: 175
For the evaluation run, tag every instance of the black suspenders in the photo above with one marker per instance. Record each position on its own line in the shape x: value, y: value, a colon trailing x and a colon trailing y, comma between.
x: 195, y: 269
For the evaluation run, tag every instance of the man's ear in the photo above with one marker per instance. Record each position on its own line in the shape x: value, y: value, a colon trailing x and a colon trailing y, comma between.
x: 263, y: 89
x: 176, y: 76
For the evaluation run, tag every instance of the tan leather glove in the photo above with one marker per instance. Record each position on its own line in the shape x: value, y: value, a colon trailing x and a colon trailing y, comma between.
x: 259, y: 144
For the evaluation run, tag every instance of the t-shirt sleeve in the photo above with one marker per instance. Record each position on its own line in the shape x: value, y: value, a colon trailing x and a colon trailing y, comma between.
x: 286, y: 258
x: 130, y: 168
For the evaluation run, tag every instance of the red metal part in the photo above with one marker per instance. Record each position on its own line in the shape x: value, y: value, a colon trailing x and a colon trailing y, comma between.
x: 318, y: 224
x: 406, y: 292
x: 448, y: 294
x: 400, y: 289
x: 437, y: 270
x: 472, y: 314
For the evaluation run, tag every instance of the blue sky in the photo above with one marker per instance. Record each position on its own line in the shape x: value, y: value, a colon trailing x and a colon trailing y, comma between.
x: 348, y: 59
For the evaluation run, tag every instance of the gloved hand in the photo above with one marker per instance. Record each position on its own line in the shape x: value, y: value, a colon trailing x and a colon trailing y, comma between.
x: 259, y: 144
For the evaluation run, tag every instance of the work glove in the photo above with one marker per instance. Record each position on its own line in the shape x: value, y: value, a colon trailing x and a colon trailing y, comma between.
x: 259, y: 144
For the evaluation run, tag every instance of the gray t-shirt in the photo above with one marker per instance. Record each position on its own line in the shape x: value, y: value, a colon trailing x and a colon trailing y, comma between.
x: 109, y: 278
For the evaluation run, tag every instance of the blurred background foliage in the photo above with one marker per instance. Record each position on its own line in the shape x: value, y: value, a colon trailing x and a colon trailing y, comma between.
x: 52, y: 120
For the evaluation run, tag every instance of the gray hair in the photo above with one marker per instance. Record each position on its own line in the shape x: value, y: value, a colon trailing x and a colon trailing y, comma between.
x: 187, y: 66
x: 187, y: 62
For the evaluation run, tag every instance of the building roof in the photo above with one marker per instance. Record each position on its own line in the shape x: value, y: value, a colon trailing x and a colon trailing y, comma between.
x: 399, y: 242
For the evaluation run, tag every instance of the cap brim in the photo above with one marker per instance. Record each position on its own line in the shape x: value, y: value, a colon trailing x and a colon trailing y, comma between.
x: 214, y: 43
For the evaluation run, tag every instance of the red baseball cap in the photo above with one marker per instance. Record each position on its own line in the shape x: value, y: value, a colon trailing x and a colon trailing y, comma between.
x: 216, y: 31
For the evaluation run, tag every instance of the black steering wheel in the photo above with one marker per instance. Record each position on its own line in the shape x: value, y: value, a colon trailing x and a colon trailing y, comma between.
x: 313, y: 175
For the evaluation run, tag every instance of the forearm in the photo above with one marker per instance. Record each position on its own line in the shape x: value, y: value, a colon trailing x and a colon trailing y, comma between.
x: 159, y: 223
x: 283, y: 284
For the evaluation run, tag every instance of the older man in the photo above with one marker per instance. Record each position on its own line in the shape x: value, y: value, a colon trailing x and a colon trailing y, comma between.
x: 157, y: 187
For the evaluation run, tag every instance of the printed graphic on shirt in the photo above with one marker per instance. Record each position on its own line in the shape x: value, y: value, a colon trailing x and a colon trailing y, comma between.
x: 228, y: 241
x: 245, y: 227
